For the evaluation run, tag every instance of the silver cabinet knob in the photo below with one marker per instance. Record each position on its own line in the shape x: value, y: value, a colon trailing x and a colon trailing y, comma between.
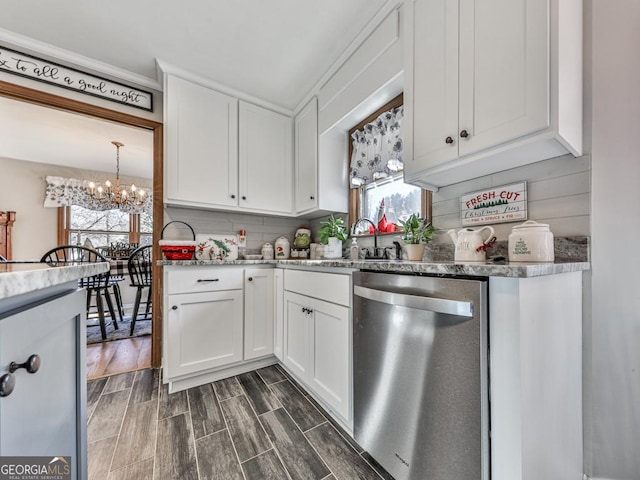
x: 7, y: 384
x: 32, y: 365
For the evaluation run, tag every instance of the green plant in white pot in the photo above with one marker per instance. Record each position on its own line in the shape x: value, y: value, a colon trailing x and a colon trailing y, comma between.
x: 415, y: 234
x: 332, y: 233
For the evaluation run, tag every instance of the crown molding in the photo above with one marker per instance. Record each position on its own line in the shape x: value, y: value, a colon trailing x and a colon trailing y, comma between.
x: 71, y: 59
x: 166, y: 68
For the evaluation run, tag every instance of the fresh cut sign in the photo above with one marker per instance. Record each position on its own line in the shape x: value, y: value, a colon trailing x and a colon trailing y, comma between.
x: 496, y: 205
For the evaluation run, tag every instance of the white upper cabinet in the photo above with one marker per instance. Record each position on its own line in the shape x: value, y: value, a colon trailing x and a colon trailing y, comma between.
x: 266, y: 160
x: 306, y: 158
x: 201, y: 166
x: 489, y: 86
x: 224, y: 153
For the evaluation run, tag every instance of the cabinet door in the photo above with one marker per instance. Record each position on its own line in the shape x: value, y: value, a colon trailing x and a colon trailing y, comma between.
x: 278, y: 281
x: 297, y: 334
x: 330, y: 374
x: 258, y: 312
x: 504, y: 71
x: 266, y: 160
x: 306, y: 147
x: 202, y: 145
x: 204, y: 331
x: 431, y: 89
x: 45, y: 415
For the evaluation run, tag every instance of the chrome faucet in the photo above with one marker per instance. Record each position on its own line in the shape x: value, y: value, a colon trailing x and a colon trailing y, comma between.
x: 375, y: 236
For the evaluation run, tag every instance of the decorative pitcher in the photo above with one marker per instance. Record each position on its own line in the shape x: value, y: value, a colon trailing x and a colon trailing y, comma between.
x: 468, y: 242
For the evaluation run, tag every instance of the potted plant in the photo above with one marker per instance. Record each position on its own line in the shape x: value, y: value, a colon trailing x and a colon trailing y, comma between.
x: 415, y: 234
x: 332, y: 233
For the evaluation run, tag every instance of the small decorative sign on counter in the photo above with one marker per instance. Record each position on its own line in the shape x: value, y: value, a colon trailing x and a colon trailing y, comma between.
x: 495, y: 205
x: 49, y: 72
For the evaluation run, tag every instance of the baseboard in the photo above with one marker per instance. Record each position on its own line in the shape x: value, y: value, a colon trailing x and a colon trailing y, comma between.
x: 183, y: 383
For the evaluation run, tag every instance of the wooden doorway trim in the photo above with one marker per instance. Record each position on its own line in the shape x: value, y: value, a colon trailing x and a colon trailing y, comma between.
x: 44, y: 99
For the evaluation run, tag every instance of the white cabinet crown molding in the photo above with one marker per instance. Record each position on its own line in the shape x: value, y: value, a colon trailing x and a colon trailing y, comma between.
x: 166, y: 68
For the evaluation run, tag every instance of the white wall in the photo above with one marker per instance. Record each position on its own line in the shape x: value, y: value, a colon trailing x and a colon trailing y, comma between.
x: 22, y: 191
x: 22, y: 188
x: 613, y: 352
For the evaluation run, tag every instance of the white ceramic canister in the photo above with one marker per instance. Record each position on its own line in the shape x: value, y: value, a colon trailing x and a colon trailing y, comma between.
x: 283, y: 248
x: 531, y: 242
x: 267, y: 251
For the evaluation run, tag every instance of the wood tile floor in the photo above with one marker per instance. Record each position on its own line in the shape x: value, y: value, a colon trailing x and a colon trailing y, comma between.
x: 256, y: 426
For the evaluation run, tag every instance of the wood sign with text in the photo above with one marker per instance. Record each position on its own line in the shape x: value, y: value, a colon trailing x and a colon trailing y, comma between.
x: 49, y: 72
x: 495, y: 205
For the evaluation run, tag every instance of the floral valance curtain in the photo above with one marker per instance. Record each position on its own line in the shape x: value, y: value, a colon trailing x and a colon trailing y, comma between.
x: 63, y: 192
x: 377, y: 149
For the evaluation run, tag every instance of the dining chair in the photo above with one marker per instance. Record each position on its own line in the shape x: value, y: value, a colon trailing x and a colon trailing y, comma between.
x: 140, y: 269
x: 114, y: 282
x: 98, y: 284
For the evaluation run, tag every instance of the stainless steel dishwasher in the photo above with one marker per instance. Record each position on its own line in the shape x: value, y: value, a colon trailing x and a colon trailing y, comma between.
x: 421, y: 376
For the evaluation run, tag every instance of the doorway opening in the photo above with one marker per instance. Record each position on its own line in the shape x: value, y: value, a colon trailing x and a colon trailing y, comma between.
x: 32, y: 96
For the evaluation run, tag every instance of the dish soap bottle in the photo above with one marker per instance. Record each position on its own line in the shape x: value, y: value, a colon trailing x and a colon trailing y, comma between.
x: 354, y: 250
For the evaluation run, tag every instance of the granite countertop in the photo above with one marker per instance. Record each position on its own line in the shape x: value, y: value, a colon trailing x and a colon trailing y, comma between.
x: 488, y: 269
x: 25, y: 277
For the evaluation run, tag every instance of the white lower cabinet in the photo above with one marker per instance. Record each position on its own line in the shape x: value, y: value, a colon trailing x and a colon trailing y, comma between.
x: 258, y: 312
x: 329, y: 369
x: 278, y: 311
x: 317, y: 341
x: 204, y: 331
x: 218, y: 322
x: 297, y: 334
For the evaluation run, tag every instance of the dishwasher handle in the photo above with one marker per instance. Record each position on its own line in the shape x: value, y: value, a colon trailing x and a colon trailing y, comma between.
x: 431, y: 304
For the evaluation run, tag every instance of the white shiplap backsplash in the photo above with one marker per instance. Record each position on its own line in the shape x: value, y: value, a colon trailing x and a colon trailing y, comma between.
x: 558, y: 192
x: 260, y: 229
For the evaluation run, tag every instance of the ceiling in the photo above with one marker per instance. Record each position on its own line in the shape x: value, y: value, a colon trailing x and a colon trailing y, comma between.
x: 39, y: 134
x: 275, y: 50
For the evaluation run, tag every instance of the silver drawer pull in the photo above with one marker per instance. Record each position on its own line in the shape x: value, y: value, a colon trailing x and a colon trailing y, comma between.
x: 208, y: 280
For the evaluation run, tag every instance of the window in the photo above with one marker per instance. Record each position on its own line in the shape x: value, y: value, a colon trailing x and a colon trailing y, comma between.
x: 103, y: 228
x: 400, y: 199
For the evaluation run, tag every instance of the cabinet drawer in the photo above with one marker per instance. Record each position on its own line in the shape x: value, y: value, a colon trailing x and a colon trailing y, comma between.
x: 202, y: 279
x: 331, y: 287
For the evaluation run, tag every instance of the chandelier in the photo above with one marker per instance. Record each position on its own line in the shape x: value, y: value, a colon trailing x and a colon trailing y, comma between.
x: 117, y: 195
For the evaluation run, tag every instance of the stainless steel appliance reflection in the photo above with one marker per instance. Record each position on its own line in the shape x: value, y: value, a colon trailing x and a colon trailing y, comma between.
x: 421, y: 375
